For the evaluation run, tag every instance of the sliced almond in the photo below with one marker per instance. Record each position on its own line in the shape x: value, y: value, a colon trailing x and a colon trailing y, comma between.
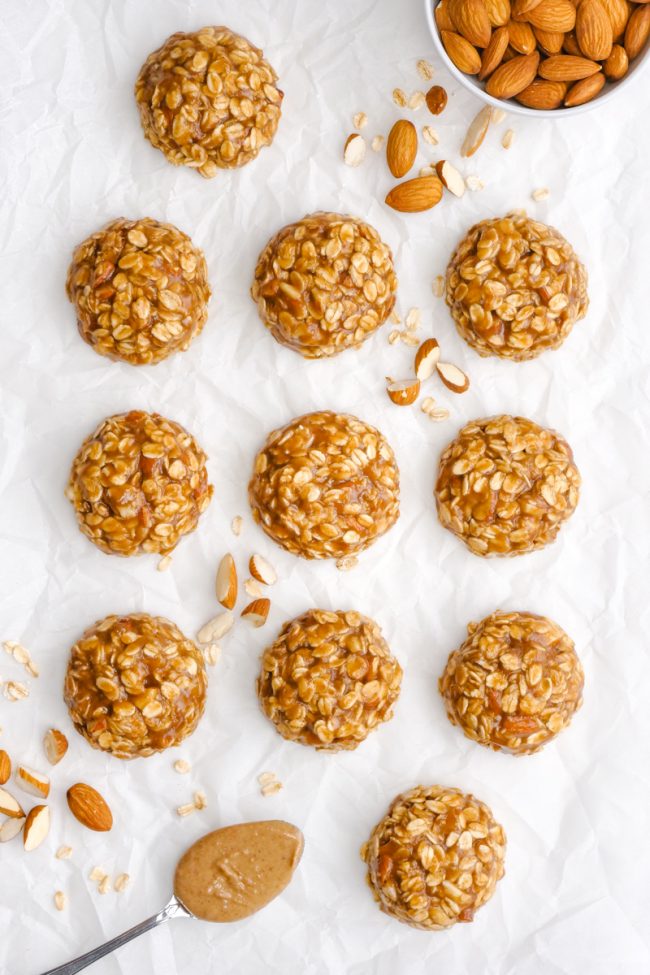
x: 253, y: 588
x: 450, y: 177
x: 55, y: 744
x: 426, y: 358
x: 32, y: 782
x: 10, y: 806
x: 403, y: 392
x: 476, y: 132
x: 227, y: 581
x: 262, y: 570
x: 11, y: 828
x: 37, y: 826
x: 354, y: 151
x: 256, y: 612
x: 5, y: 767
x: 453, y: 377
x: 216, y: 628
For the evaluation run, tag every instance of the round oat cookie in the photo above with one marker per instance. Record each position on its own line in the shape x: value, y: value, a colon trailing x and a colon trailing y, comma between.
x: 514, y: 683
x: 329, y: 679
x: 138, y: 484
x: 435, y: 857
x: 140, y: 290
x: 515, y: 287
x: 324, y: 284
x: 208, y: 100
x: 135, y: 685
x: 325, y: 486
x: 505, y: 485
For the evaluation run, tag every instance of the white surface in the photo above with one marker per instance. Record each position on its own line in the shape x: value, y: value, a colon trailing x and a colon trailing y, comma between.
x: 575, y: 897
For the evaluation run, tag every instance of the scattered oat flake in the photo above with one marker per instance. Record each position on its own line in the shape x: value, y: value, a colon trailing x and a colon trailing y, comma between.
x: 104, y: 885
x: 430, y: 135
x: 399, y: 97
x: 427, y: 171
x: 32, y: 669
x: 265, y: 777
x: 425, y: 69
x: 271, y: 789
x: 416, y: 100
x: 395, y: 318
x: 164, y: 563
x: 97, y: 874
x: 186, y: 810
x: 253, y: 588
x: 360, y: 120
x: 59, y: 900
x: 474, y: 184
x: 508, y: 139
x: 63, y: 853
x: 212, y: 653
x: 377, y: 143
x: 413, y: 319
x: 181, y: 766
x: 498, y: 115
x: 237, y: 524
x: 15, y: 690
x: 122, y: 881
x: 439, y: 286
x: 540, y: 194
x: 408, y: 338
x: 200, y: 800
x: 393, y: 336
x: 347, y: 562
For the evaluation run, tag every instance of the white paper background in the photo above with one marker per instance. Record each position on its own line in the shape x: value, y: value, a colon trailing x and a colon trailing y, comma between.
x: 575, y: 897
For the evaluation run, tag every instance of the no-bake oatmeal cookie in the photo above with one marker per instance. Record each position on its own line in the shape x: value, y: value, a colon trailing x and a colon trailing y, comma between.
x: 140, y: 290
x: 514, y: 683
x: 208, y: 99
x: 135, y: 685
x: 515, y: 287
x: 329, y: 679
x: 435, y: 857
x: 138, y: 484
x: 505, y: 485
x: 324, y: 284
x: 325, y: 486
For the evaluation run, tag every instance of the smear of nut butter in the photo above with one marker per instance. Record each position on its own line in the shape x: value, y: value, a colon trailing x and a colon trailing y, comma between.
x: 233, y: 872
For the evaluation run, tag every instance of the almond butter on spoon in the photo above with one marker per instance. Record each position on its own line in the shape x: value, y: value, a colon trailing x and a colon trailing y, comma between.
x: 225, y: 876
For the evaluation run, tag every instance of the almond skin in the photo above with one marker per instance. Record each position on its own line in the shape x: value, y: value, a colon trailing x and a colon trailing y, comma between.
x: 471, y: 20
x: 89, y: 808
x: 566, y: 67
x: 594, y: 30
x: 583, y: 91
x: 637, y: 31
x: 401, y: 147
x: 549, y: 40
x: 443, y: 20
x: 513, y: 76
x: 498, y: 12
x: 521, y: 37
x: 463, y: 54
x: 493, y: 53
x: 415, y: 195
x: 5, y: 767
x: 544, y: 95
x: 615, y: 66
x: 553, y: 15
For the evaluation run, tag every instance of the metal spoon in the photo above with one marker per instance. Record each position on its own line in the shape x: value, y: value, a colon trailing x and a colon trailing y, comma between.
x: 173, y: 909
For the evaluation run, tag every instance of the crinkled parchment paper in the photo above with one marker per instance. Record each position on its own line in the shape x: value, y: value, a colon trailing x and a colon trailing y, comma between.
x: 575, y: 897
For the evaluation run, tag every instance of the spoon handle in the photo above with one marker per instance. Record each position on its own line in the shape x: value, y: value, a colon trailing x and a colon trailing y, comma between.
x: 173, y: 909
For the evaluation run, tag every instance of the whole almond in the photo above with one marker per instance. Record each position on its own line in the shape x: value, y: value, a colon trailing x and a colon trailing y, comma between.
x: 614, y: 67
x: 415, y: 195
x: 463, y: 54
x: 544, y: 95
x: 521, y: 8
x: 570, y: 44
x: 436, y: 99
x: 401, y: 147
x: 521, y: 37
x: 5, y: 767
x: 594, y: 30
x: 498, y: 12
x: 618, y: 12
x: 493, y: 53
x: 549, y: 40
x: 511, y: 78
x: 583, y: 91
x: 553, y: 15
x: 471, y: 20
x: 637, y: 31
x: 443, y: 20
x: 89, y: 807
x: 567, y: 67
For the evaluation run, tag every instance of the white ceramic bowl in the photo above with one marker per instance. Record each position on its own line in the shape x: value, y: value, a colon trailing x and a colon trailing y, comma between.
x: 611, y: 89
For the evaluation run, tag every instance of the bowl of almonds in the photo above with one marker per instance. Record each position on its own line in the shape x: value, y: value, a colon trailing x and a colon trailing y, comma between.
x: 541, y: 57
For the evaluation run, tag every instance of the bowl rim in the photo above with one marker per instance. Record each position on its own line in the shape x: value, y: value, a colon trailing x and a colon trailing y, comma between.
x: 511, y: 106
